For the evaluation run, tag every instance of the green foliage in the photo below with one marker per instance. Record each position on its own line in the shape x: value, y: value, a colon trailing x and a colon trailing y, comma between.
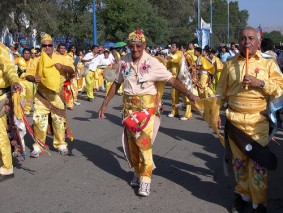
x: 42, y: 15
x: 162, y: 21
x: 275, y: 36
x: 120, y: 17
x: 238, y: 19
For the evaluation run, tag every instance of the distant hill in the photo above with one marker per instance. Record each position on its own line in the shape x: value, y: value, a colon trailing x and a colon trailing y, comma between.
x: 269, y: 29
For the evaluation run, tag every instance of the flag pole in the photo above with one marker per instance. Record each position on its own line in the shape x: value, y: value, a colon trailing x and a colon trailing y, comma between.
x: 211, y: 41
x: 94, y: 23
x: 198, y: 13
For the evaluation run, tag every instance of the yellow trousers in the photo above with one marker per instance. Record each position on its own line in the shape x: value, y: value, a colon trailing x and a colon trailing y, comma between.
x: 5, y: 147
x: 74, y: 90
x: 141, y: 157
x: 120, y: 90
x: 175, y: 100
x: 216, y: 78
x: 27, y: 94
x: 251, y: 179
x: 89, y: 80
x: 80, y: 82
x: 205, y: 91
x: 108, y: 86
x: 100, y: 78
x: 40, y: 118
x: 140, y: 147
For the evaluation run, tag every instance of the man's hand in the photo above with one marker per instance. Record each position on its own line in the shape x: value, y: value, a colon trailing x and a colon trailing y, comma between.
x: 16, y: 87
x: 115, y: 66
x: 169, y: 58
x: 192, y: 97
x: 37, y: 79
x: 101, y: 111
x: 59, y: 66
x: 251, y: 81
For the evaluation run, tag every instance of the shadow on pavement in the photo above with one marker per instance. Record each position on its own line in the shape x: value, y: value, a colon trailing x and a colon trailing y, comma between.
x: 102, y: 158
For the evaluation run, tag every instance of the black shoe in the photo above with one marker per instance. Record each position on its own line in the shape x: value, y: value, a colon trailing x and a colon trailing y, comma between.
x: 90, y: 99
x: 239, y: 204
x: 260, y: 209
x: 6, y: 177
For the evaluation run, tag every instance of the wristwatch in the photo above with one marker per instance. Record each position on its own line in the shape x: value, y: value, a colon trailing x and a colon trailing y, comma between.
x: 262, y: 84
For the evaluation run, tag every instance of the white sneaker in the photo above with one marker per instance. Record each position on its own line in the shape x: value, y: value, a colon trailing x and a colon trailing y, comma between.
x: 103, y: 89
x: 77, y: 103
x: 63, y: 150
x: 144, y: 189
x: 170, y: 115
x: 185, y: 118
x: 135, y: 182
x: 35, y: 153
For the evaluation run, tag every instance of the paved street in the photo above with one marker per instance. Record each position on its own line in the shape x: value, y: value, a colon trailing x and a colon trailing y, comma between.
x: 95, y: 177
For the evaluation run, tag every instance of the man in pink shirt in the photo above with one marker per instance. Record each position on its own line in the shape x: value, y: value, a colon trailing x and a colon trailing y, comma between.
x: 140, y: 74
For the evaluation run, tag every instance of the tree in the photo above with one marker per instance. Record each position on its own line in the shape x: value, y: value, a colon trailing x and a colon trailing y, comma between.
x: 119, y: 17
x: 40, y: 14
x: 163, y: 21
x: 275, y: 36
x: 238, y: 19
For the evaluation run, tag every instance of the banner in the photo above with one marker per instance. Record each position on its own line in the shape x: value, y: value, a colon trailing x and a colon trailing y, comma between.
x: 199, y: 36
x: 204, y: 25
x: 203, y: 36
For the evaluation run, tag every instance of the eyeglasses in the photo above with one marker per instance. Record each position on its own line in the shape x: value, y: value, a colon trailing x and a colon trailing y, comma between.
x: 47, y: 45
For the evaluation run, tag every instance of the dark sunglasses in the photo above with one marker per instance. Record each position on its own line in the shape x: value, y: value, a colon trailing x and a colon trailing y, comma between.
x: 47, y: 45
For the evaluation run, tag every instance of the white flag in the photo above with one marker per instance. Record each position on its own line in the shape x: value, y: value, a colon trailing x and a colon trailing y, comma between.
x: 204, y: 25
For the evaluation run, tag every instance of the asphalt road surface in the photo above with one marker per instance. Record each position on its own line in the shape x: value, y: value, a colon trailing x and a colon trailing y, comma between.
x: 95, y: 177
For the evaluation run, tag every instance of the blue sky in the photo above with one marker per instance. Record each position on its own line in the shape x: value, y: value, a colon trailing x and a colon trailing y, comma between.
x: 268, y: 13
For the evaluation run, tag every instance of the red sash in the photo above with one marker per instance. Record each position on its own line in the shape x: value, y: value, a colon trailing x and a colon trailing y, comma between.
x: 67, y: 91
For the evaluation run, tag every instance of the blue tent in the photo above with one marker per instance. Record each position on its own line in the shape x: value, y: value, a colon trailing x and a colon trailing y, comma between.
x: 108, y: 44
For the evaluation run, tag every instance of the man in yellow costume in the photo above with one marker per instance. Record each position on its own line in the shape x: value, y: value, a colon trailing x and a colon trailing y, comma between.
x: 174, y: 64
x: 191, y: 51
x: 140, y: 72
x: 49, y: 71
x: 8, y: 78
x: 117, y: 58
x: 71, y: 53
x: 23, y: 64
x: 70, y: 90
x: 91, y: 61
x: 218, y: 66
x: 205, y: 68
x: 247, y: 126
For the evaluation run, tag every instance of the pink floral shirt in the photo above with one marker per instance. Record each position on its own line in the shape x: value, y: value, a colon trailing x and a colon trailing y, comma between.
x: 140, y: 79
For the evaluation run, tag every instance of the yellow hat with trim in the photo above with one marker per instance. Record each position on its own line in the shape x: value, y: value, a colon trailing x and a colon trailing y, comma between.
x: 33, y: 51
x: 17, y: 53
x: 45, y: 37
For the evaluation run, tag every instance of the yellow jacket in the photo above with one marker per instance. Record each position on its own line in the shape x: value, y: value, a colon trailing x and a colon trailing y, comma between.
x: 44, y: 66
x: 218, y: 65
x: 8, y: 72
x: 230, y: 82
x: 174, y: 65
x: 23, y: 65
x: 192, y: 53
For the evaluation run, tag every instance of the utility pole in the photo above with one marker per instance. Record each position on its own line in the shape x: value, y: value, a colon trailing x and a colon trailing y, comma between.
x: 211, y: 40
x: 94, y: 23
x: 228, y: 36
x: 198, y: 13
